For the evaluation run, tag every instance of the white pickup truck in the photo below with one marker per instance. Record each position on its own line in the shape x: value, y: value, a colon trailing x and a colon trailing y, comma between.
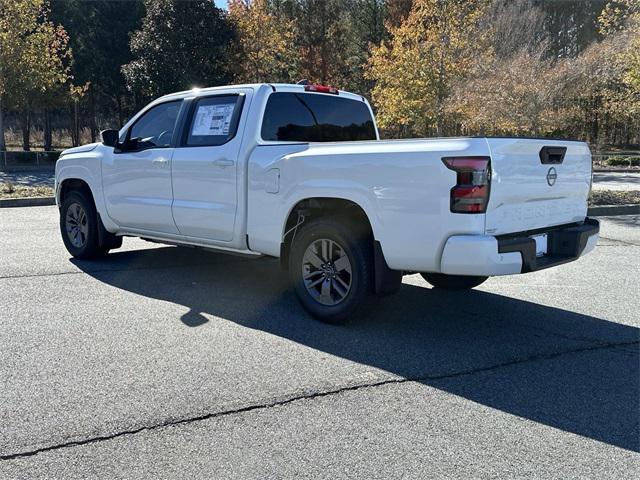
x: 299, y: 172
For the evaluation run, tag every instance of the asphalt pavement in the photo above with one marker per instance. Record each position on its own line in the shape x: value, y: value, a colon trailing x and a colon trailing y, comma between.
x: 166, y: 362
x: 619, y: 181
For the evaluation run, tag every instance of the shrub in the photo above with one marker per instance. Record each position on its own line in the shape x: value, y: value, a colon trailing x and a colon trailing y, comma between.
x: 624, y: 161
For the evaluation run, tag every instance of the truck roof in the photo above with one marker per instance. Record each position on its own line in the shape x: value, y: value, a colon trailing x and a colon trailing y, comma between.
x: 276, y: 87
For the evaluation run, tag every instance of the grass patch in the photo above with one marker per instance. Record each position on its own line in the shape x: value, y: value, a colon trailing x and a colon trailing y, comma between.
x: 611, y: 197
x: 11, y: 190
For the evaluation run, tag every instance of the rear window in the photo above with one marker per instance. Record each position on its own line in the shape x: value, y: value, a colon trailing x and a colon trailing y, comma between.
x: 301, y: 117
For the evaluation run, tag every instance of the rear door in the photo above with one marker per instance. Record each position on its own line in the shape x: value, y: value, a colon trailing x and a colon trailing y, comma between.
x: 536, y: 184
x: 205, y: 167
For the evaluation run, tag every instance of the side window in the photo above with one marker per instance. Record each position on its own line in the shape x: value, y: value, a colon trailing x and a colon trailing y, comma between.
x: 214, y: 120
x: 286, y: 118
x: 312, y: 117
x: 154, y: 129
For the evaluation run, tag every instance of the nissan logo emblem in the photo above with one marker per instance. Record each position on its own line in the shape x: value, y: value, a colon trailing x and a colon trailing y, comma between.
x: 552, y: 176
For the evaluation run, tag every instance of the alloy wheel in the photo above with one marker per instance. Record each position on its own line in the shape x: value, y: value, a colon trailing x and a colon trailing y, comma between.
x: 326, y: 272
x: 77, y: 225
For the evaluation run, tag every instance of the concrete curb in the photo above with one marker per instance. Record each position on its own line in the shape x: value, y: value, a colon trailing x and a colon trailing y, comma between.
x: 28, y: 168
x: 27, y: 202
x: 611, y: 210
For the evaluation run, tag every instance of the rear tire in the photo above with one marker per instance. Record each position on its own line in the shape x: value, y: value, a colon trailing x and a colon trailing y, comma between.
x: 79, y: 226
x: 331, y: 269
x: 453, y: 282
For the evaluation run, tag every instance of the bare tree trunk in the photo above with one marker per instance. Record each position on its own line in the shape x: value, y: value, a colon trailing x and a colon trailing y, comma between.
x: 75, y: 136
x: 93, y: 126
x: 3, y: 145
x: 323, y: 49
x: 120, y: 114
x: 25, y: 120
x: 444, y: 44
x: 48, y: 137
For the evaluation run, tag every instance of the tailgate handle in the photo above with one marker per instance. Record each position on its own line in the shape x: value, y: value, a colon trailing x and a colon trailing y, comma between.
x: 552, y: 155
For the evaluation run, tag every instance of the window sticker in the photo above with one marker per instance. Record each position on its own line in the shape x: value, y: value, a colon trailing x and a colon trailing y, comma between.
x: 213, y: 119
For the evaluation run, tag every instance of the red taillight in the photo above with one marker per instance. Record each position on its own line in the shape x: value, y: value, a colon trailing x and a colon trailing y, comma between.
x: 313, y: 87
x: 471, y: 192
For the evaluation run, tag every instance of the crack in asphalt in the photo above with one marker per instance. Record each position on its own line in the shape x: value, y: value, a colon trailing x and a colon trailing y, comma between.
x: 311, y: 396
x: 623, y: 243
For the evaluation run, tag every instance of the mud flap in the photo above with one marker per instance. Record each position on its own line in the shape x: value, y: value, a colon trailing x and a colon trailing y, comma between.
x: 107, y: 240
x: 387, y: 281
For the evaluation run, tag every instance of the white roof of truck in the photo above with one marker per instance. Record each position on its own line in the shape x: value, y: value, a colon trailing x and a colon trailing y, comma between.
x: 278, y: 87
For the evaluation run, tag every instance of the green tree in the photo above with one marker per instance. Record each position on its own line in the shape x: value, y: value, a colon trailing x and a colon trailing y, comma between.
x: 99, y: 33
x: 180, y: 45
x: 34, y: 59
x: 570, y: 25
x: 366, y: 28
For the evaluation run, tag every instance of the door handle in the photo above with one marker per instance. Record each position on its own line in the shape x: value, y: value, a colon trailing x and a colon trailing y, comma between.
x: 160, y: 161
x: 223, y: 162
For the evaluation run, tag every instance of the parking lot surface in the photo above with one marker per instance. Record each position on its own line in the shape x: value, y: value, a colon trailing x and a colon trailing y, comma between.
x: 166, y: 362
x: 616, y: 181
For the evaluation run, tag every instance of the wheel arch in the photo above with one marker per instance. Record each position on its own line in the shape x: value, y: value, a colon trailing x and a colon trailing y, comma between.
x: 69, y: 185
x: 350, y: 212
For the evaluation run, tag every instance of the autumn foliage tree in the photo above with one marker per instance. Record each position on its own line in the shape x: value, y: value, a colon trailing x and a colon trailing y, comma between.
x: 34, y: 59
x: 431, y: 67
x: 629, y: 18
x: 265, y: 49
x: 414, y: 70
x: 519, y: 95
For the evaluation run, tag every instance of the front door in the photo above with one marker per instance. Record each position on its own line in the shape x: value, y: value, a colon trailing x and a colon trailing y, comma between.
x: 137, y: 177
x: 205, y: 168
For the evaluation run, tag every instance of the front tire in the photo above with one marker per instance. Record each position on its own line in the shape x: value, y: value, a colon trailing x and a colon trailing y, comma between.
x: 79, y: 226
x: 453, y: 282
x: 331, y: 269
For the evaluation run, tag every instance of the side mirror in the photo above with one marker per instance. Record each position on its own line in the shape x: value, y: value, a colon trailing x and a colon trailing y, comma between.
x: 109, y: 137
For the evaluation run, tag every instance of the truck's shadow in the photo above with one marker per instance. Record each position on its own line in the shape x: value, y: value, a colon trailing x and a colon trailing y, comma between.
x: 544, y: 364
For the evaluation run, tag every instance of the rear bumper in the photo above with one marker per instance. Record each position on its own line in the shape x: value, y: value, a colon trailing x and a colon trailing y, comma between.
x: 510, y: 254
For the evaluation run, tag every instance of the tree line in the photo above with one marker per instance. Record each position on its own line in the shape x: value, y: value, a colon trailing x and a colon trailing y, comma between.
x: 69, y: 68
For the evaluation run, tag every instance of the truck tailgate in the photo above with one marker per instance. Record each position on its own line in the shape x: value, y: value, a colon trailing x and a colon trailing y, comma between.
x: 536, y: 183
